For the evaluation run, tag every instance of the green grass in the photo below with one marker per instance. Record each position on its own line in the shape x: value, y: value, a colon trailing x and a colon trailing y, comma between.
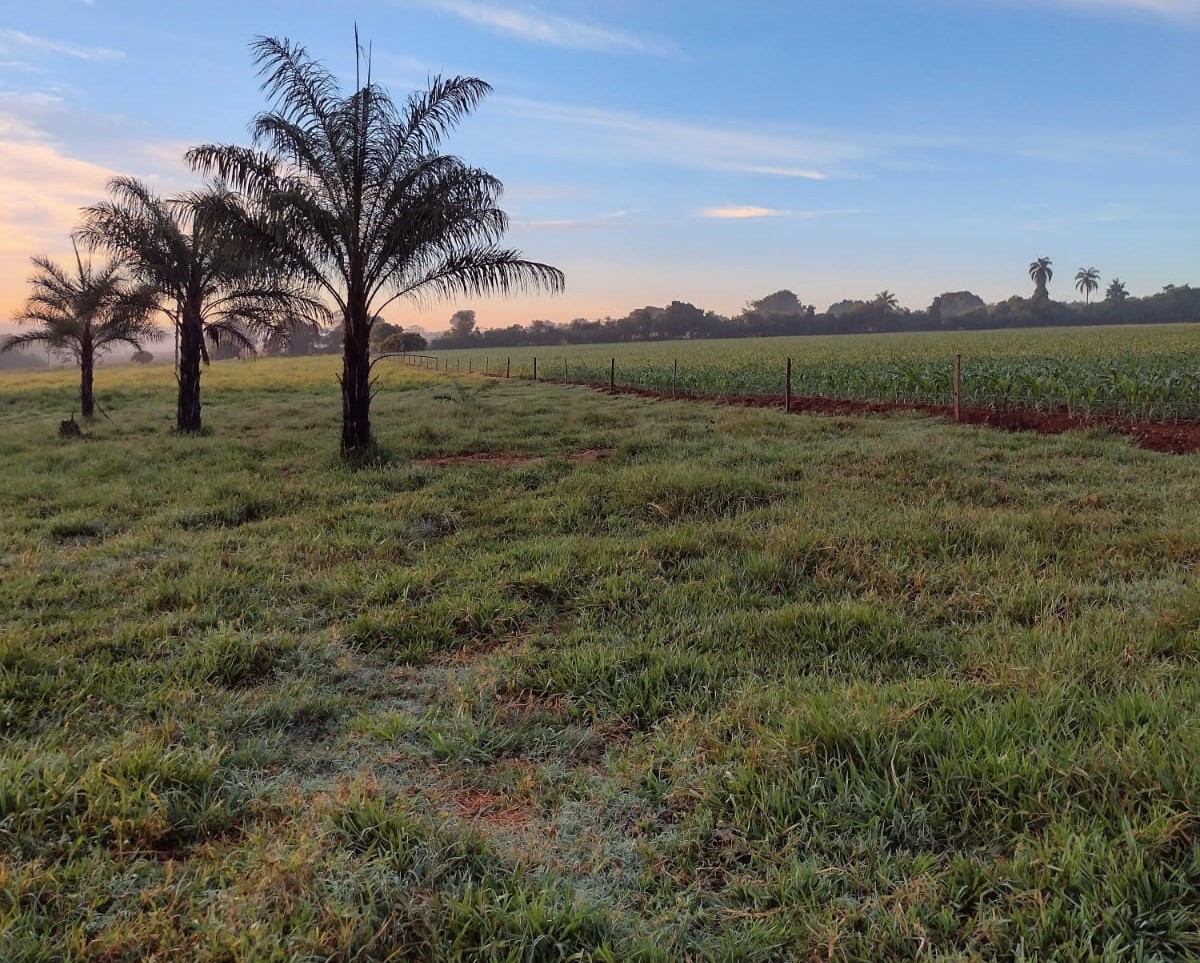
x: 753, y: 687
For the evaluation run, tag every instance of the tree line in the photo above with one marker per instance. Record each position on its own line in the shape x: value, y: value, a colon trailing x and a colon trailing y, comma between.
x: 342, y: 205
x: 783, y: 313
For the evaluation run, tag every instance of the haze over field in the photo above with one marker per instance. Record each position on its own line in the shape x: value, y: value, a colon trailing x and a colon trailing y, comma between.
x: 696, y: 151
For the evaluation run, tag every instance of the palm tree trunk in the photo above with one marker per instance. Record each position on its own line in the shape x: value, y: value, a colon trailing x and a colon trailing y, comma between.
x: 356, y: 385
x: 187, y: 411
x: 87, y: 363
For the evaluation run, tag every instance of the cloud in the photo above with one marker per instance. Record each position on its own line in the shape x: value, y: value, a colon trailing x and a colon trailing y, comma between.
x: 43, y: 185
x: 745, y: 212
x: 1168, y: 8
x: 15, y: 38
x: 623, y: 135
x: 599, y: 220
x: 536, y: 26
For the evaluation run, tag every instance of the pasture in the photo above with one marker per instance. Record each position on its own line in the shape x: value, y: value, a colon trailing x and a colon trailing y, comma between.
x: 564, y: 676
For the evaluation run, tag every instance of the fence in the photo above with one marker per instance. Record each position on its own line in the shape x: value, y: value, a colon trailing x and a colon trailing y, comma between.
x: 1150, y: 388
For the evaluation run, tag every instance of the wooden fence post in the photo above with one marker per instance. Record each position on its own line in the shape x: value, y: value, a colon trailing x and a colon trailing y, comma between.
x: 674, y: 377
x: 612, y: 375
x: 958, y: 387
x: 469, y: 360
x: 487, y: 365
x: 508, y: 367
x: 787, y: 391
x: 535, y: 367
x: 564, y: 367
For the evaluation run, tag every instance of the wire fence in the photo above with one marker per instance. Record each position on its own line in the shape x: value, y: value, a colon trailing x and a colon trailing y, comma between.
x: 1142, y: 387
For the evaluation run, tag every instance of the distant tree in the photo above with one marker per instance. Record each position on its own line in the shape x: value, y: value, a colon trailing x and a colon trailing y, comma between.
x: 887, y: 301
x: 215, y: 263
x: 462, y: 326
x: 1041, y: 273
x: 781, y: 302
x: 141, y: 357
x: 381, y: 330
x: 954, y: 304
x: 83, y: 312
x: 402, y: 342
x: 1087, y: 280
x: 1116, y: 291
x: 373, y: 212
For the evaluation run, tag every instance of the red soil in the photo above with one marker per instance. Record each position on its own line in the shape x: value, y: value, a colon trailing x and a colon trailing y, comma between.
x: 1177, y: 438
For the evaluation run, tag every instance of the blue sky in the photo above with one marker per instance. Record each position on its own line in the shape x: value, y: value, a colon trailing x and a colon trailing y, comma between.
x: 707, y: 151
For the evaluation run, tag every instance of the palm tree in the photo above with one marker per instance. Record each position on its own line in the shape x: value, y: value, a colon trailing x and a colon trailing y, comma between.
x: 211, y: 259
x: 1087, y: 280
x: 374, y: 212
x: 1116, y: 291
x: 83, y: 313
x: 1040, y: 273
x: 888, y: 301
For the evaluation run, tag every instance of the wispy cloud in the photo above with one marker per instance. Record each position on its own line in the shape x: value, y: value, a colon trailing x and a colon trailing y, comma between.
x: 630, y: 136
x: 43, y: 185
x: 1170, y: 9
x: 15, y: 39
x: 746, y: 212
x: 599, y: 220
x: 537, y: 26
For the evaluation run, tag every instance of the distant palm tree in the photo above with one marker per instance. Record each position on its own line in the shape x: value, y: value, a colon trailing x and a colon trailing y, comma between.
x: 888, y: 301
x: 1041, y: 273
x: 1087, y: 280
x: 373, y: 211
x: 212, y: 261
x: 1116, y: 291
x: 84, y: 312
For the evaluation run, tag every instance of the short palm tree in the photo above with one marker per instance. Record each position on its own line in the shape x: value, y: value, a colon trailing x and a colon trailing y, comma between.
x: 372, y: 210
x: 1116, y: 291
x: 1041, y: 273
x: 211, y: 259
x: 1087, y: 280
x: 84, y: 312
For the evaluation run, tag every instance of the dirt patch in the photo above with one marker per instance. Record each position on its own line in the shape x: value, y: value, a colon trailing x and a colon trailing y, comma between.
x: 513, y: 460
x: 1177, y: 438
x: 491, y: 808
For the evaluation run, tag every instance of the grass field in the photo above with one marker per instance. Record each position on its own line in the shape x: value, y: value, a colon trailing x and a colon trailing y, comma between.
x: 1148, y: 372
x: 751, y: 687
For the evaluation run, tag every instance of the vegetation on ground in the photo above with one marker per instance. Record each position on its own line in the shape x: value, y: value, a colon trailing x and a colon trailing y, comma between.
x: 1148, y: 372
x: 750, y: 687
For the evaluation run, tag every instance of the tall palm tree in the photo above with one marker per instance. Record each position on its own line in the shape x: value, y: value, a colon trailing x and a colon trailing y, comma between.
x: 210, y: 256
x: 374, y: 212
x: 1041, y: 273
x: 84, y: 312
x: 1087, y: 280
x: 1116, y: 291
x: 887, y: 300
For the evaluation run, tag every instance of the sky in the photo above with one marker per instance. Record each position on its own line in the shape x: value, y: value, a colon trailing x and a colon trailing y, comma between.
x: 698, y: 150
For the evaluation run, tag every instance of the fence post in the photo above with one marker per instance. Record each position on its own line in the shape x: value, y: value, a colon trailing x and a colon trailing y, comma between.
x: 508, y: 367
x: 612, y: 375
x: 487, y: 365
x: 958, y: 387
x: 674, y: 377
x: 787, y: 391
x: 535, y: 367
x: 564, y: 367
x: 469, y: 360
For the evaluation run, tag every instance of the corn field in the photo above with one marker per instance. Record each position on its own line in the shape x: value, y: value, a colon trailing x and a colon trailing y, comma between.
x: 1147, y: 373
